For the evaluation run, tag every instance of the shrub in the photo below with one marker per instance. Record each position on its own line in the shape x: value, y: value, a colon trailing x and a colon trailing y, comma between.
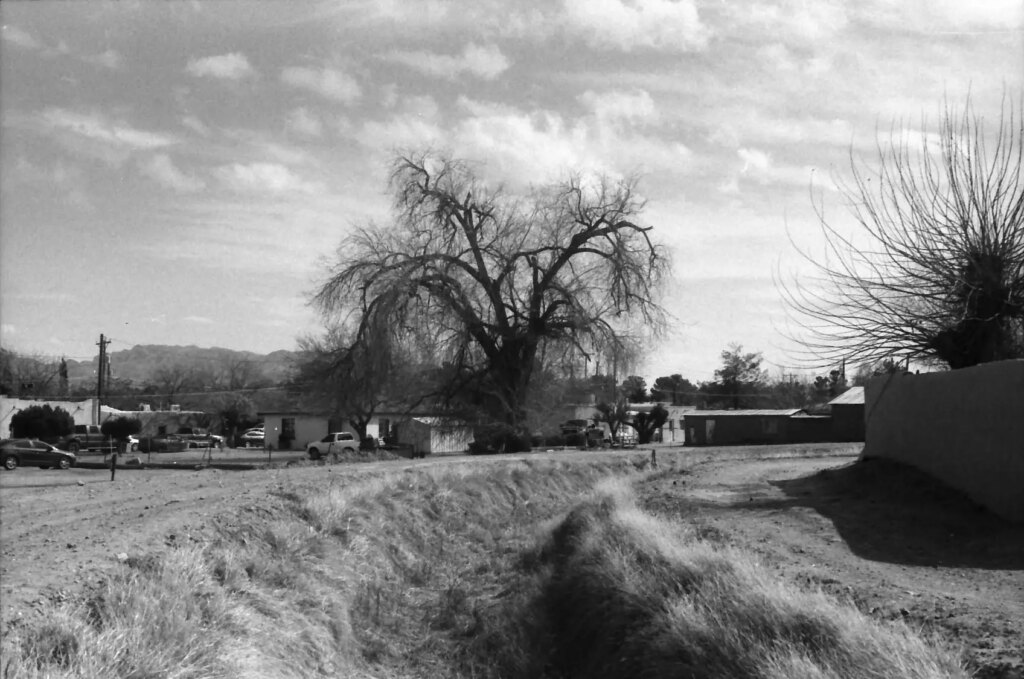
x: 368, y: 443
x: 42, y: 422
x: 120, y: 428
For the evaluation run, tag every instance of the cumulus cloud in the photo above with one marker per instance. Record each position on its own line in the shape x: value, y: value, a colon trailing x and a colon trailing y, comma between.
x: 263, y: 178
x: 111, y: 59
x: 485, y: 62
x: 616, y: 107
x: 20, y: 38
x: 327, y: 82
x: 758, y: 166
x: 233, y: 66
x: 162, y: 169
x: 305, y: 123
x: 99, y: 127
x: 665, y: 25
x: 196, y: 125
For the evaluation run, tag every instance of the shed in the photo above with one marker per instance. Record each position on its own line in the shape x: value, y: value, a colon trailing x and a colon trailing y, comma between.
x: 738, y: 427
x: 437, y: 435
x: 848, y: 415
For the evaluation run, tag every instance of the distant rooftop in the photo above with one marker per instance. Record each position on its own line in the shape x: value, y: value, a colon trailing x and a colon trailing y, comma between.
x: 787, y: 412
x: 851, y: 397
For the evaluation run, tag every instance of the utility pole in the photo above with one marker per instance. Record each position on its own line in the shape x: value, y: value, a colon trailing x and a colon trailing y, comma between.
x: 100, y: 372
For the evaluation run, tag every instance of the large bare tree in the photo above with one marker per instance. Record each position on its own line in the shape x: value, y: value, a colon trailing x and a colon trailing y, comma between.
x: 935, y: 273
x: 486, y: 280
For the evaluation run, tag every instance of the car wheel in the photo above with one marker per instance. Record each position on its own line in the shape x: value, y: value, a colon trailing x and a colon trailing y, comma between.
x: 74, y: 447
x: 65, y: 463
x: 349, y: 451
x: 10, y: 462
x: 314, y: 454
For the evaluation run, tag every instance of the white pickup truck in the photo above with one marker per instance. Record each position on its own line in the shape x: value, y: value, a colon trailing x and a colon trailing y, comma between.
x: 333, y: 444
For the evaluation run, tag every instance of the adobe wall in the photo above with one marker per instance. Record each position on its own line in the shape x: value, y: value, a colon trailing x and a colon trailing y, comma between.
x: 964, y: 427
x: 82, y: 412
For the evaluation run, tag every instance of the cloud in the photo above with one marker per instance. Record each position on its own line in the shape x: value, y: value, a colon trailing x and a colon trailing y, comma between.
x: 303, y: 122
x: 111, y: 59
x: 233, y: 66
x: 329, y: 83
x: 196, y: 125
x: 758, y: 166
x: 20, y: 38
x: 262, y: 178
x: 616, y: 107
x: 162, y: 169
x: 486, y: 62
x: 99, y: 127
x: 663, y: 25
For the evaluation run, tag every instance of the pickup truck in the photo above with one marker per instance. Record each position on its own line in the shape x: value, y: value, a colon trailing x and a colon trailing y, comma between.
x: 89, y: 437
x: 197, y: 437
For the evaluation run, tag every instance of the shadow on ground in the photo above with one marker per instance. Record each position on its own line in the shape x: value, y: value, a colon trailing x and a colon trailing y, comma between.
x: 890, y: 512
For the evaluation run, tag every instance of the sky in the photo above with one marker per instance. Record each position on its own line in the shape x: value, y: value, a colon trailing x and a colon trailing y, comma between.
x: 183, y: 172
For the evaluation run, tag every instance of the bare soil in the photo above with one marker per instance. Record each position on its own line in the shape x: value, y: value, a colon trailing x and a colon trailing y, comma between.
x: 896, y: 543
x: 889, y: 539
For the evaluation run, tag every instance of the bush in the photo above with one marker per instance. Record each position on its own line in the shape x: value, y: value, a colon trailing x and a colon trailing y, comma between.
x: 368, y: 443
x: 499, y: 438
x: 42, y: 422
x: 120, y: 428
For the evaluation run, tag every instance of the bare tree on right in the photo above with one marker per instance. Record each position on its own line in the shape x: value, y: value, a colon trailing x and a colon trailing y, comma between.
x: 935, y: 273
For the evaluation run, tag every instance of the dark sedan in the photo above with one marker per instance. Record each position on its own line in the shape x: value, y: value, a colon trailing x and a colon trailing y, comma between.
x: 22, y: 452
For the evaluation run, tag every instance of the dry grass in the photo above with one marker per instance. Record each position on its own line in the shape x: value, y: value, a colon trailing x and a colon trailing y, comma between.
x: 480, y: 570
x: 618, y: 593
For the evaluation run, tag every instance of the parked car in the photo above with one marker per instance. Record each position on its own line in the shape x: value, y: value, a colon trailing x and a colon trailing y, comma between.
x: 198, y: 437
x: 252, y: 438
x: 168, y: 443
x: 336, y: 442
x: 20, y: 452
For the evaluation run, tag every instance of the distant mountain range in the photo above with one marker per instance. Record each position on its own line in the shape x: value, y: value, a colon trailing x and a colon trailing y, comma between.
x: 141, y: 362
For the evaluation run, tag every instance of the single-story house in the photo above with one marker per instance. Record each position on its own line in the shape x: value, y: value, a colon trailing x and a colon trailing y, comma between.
x: 293, y: 430
x: 671, y: 431
x: 848, y: 415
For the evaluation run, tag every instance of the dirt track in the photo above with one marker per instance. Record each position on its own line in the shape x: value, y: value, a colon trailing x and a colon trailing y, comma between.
x: 898, y: 547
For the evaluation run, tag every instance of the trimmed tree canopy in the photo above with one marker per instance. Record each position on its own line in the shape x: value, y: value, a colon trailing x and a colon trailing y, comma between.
x: 120, y: 428
x: 42, y: 422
